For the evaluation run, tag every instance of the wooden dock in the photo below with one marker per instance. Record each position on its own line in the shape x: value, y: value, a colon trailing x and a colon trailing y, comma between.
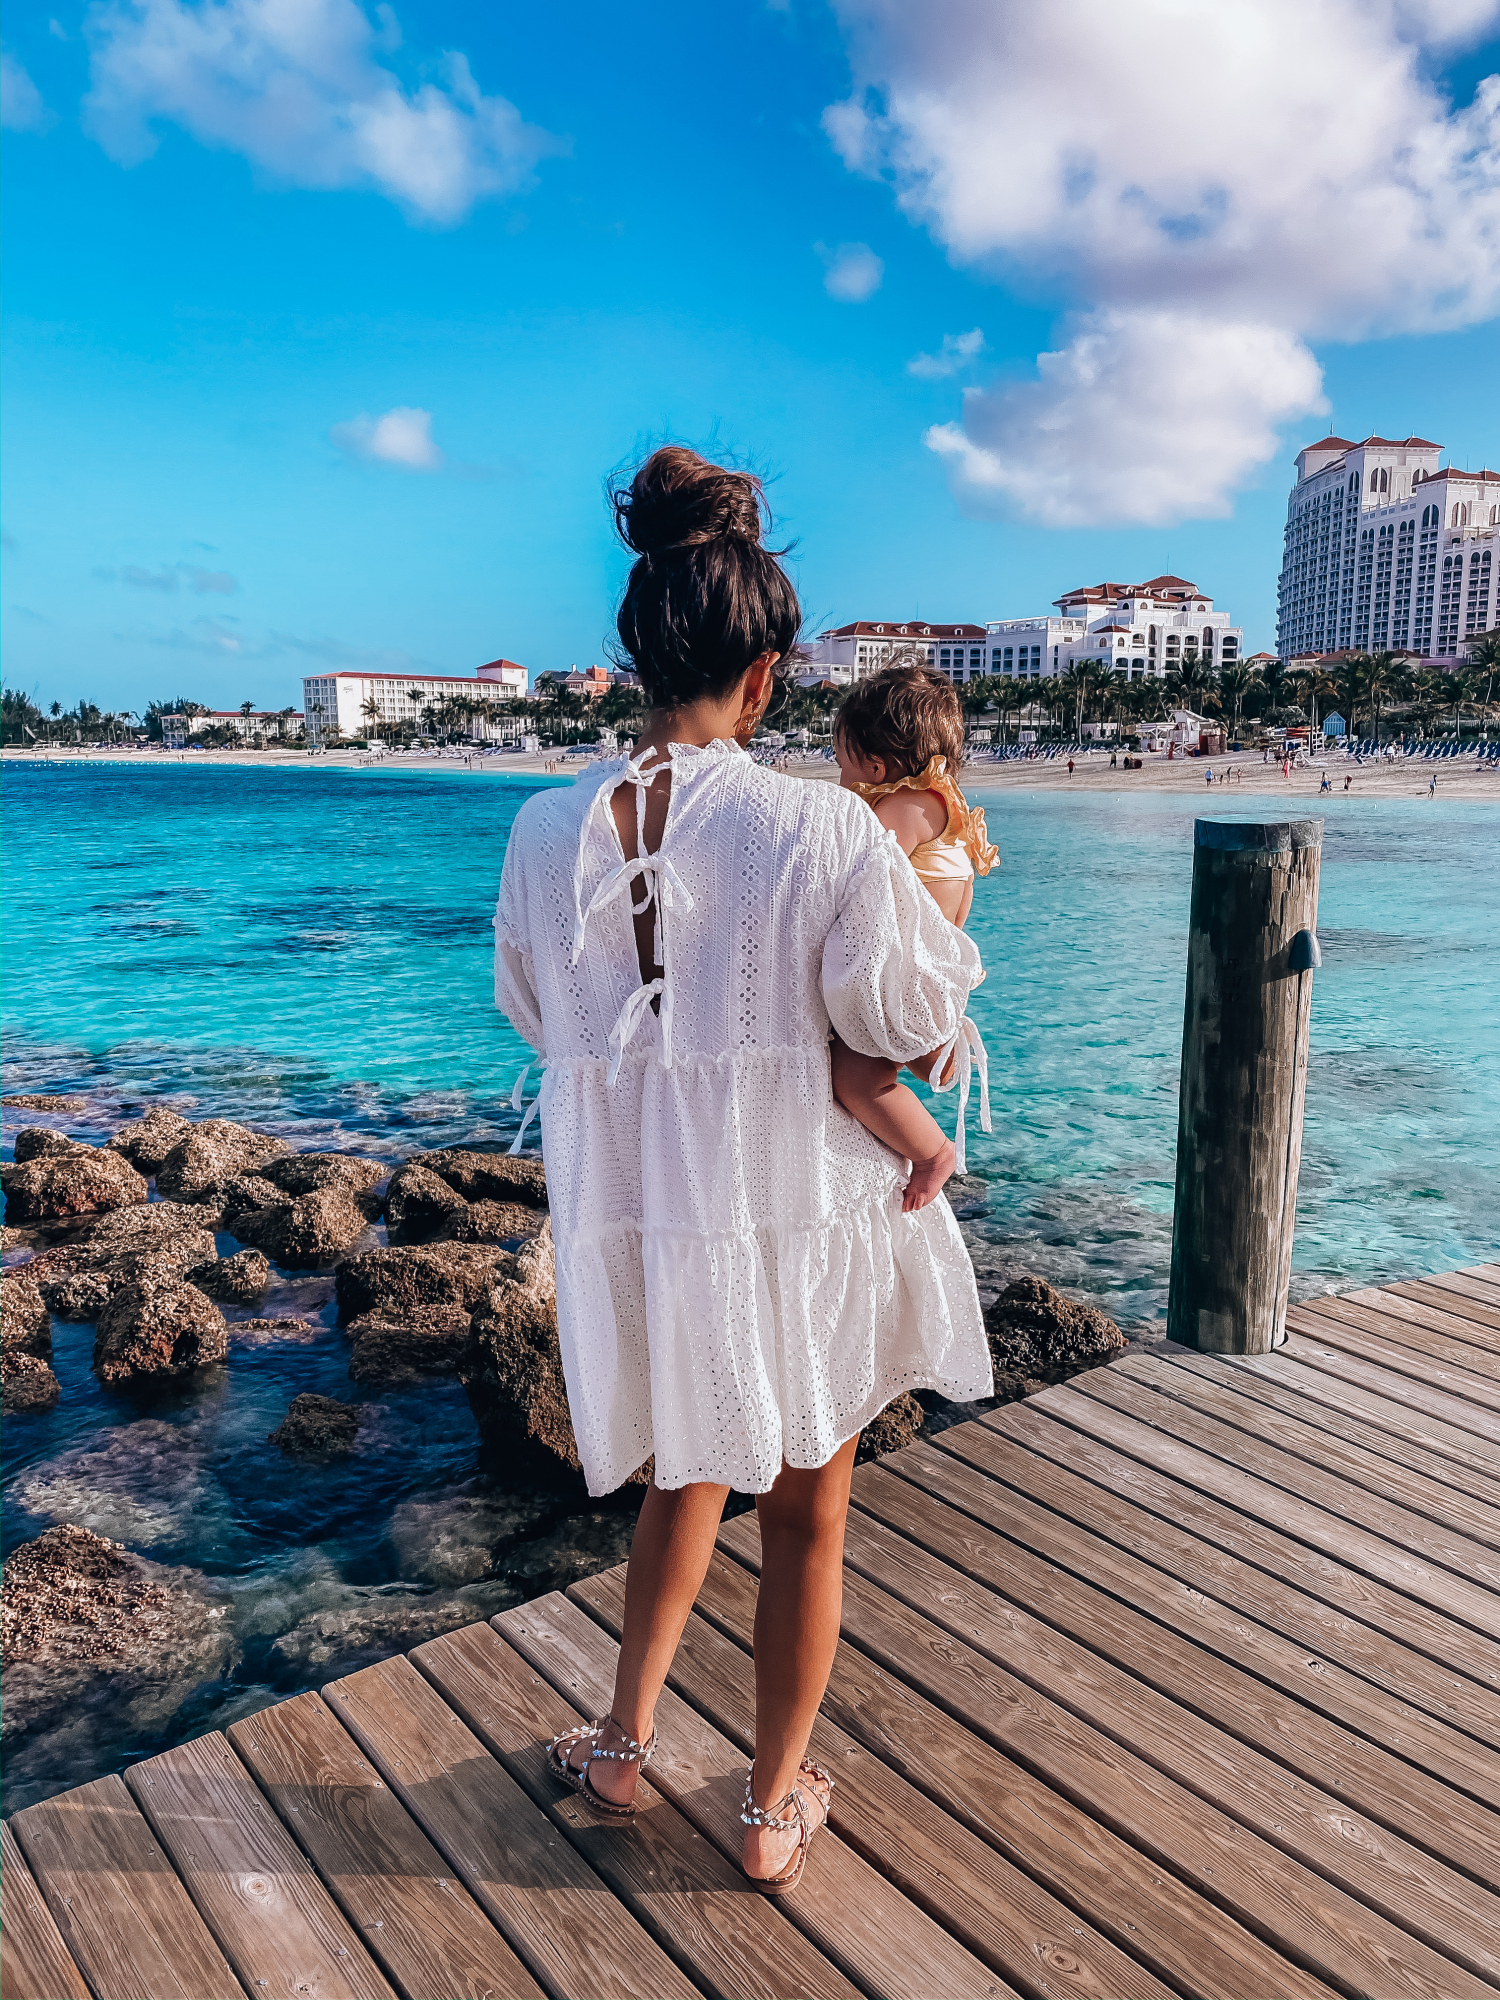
x: 1181, y: 1679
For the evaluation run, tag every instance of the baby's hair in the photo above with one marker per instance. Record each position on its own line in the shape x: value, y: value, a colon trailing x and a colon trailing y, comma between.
x: 905, y: 715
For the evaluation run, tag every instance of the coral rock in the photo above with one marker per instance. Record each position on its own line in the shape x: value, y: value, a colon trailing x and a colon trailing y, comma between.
x: 27, y: 1383
x: 487, y: 1176
x: 491, y: 1222
x: 149, y: 1227
x: 898, y: 1424
x: 25, y: 1324
x: 146, y: 1141
x: 240, y: 1196
x: 40, y: 1101
x: 311, y: 1230
x: 75, y: 1182
x: 153, y: 1329
x: 429, y: 1340
x: 36, y: 1142
x: 418, y: 1205
x: 217, y: 1150
x: 1036, y: 1332
x: 393, y: 1282
x: 241, y: 1280
x: 309, y: 1173
x: 84, y: 1292
x: 317, y: 1423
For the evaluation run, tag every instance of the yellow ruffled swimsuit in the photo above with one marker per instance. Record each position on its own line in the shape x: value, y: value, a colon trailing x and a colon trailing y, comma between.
x: 962, y: 850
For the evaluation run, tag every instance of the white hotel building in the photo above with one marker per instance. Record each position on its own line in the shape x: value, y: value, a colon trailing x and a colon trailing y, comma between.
x: 1386, y: 550
x: 362, y: 700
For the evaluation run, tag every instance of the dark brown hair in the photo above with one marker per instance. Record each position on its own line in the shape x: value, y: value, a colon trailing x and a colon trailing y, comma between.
x: 706, y: 597
x: 905, y: 715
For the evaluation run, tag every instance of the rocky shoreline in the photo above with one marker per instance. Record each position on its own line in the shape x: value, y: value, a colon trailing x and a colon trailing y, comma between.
x: 441, y: 1266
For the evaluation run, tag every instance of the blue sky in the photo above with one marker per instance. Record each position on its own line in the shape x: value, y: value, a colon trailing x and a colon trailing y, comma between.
x: 235, y: 247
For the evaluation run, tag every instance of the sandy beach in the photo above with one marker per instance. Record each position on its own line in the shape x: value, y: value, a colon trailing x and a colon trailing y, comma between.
x: 1400, y: 778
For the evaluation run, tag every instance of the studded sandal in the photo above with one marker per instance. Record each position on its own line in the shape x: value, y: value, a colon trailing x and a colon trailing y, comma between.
x: 799, y: 1798
x: 561, y: 1748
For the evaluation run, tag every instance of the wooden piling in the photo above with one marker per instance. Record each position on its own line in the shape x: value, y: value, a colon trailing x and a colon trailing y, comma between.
x: 1251, y: 949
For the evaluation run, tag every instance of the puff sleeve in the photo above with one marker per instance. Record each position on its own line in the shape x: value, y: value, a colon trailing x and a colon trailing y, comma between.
x: 896, y: 974
x: 515, y: 969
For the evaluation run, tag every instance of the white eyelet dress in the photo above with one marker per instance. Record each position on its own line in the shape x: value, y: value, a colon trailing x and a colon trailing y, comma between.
x: 736, y: 1283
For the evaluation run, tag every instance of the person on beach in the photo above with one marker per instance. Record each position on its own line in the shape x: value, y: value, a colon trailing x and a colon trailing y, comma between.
x: 899, y: 741
x: 739, y: 1290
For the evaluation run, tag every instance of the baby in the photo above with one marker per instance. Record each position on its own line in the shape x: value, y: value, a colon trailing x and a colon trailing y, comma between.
x: 899, y: 739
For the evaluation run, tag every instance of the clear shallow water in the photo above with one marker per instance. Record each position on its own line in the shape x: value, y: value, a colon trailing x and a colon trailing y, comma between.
x: 310, y: 950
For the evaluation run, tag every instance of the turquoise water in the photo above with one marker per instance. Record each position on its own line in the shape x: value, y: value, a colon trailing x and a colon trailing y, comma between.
x: 311, y: 950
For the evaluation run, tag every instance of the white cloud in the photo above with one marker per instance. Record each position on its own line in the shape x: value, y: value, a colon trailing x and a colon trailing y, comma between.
x: 21, y: 106
x: 1104, y: 435
x: 210, y: 582
x: 146, y: 579
x: 1286, y: 171
x: 401, y: 437
x: 203, y: 582
x: 852, y: 272
x: 205, y: 635
x: 956, y: 352
x: 295, y: 86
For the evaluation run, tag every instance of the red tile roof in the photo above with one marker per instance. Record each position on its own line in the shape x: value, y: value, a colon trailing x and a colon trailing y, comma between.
x: 865, y: 628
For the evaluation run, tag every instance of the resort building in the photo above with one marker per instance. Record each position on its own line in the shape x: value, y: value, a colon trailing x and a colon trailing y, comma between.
x: 1387, y: 551
x: 259, y: 722
x: 358, y: 701
x: 1137, y: 629
x: 848, y: 652
x: 590, y: 684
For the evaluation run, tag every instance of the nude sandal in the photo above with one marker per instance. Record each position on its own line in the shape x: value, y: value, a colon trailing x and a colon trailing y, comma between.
x: 754, y: 1815
x: 561, y: 1748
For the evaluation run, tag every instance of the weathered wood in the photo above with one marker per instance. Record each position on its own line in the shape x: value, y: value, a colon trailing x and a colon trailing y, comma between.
x: 1424, y: 1810
x: 1158, y: 1473
x: 1002, y: 1915
x: 882, y: 1942
x: 276, y: 1923
x: 1412, y: 1323
x: 34, y: 1961
x: 554, y: 1910
x: 127, y: 1921
x: 1212, y: 1602
x: 1425, y: 1560
x: 430, y: 1935
x: 1327, y: 1930
x: 1395, y: 1305
x: 1470, y: 1298
x: 728, y: 1938
x: 1244, y: 1077
x: 1338, y: 1329
x: 1366, y: 1372
x: 1355, y: 1464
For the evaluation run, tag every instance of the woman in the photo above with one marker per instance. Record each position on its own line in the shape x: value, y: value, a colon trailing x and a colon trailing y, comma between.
x: 738, y: 1290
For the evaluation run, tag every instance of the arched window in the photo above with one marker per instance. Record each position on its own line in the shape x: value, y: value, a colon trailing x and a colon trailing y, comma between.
x: 1153, y: 628
x: 1208, y: 638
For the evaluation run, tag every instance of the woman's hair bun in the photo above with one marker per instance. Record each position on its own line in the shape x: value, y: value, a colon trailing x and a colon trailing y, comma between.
x: 677, y: 500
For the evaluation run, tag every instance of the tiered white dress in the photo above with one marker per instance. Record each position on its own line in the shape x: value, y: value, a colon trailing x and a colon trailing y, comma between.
x: 737, y: 1285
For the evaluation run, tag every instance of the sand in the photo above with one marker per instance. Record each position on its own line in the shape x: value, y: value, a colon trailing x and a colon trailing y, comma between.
x: 1460, y: 777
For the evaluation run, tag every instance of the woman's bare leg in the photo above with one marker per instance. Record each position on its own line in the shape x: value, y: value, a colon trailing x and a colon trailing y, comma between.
x: 796, y: 1632
x: 669, y: 1555
x: 870, y: 1089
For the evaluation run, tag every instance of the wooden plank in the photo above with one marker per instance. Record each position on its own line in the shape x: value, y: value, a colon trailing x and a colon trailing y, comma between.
x: 1471, y: 1298
x: 1413, y: 1323
x: 34, y: 1961
x: 1359, y: 1331
x: 1216, y: 1391
x: 1016, y: 1927
x: 1326, y: 1659
x: 1488, y: 1271
x: 1313, y: 1352
x: 883, y: 1942
x: 1279, y: 1387
x: 727, y: 1936
x: 568, y: 1927
x: 429, y: 1934
x: 275, y: 1922
x: 1420, y: 1808
x: 128, y: 1923
x: 1290, y: 1812
x: 1315, y: 1922
x: 1136, y: 1461
x: 1477, y: 1461
x: 1399, y: 1547
x: 1393, y: 1305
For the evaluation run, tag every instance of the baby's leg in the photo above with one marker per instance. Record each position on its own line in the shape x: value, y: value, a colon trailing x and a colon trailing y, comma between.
x: 870, y: 1089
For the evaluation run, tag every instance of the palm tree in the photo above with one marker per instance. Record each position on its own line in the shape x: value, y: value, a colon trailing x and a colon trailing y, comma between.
x: 1235, y: 682
x: 1315, y: 685
x: 1484, y: 661
x: 1273, y: 680
x: 369, y: 708
x: 1352, y: 670
x: 1383, y: 676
